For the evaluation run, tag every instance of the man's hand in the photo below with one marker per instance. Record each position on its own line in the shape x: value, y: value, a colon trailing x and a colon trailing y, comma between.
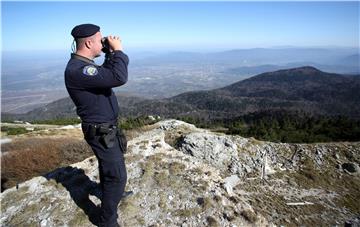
x: 114, y: 42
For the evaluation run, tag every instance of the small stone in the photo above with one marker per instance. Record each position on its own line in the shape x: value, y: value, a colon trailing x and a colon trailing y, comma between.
x: 184, y: 224
x: 352, y: 223
x: 351, y: 167
x: 247, y: 169
x: 43, y: 222
x: 231, y: 182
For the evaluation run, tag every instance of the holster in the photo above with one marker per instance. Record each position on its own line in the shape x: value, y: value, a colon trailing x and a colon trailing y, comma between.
x: 107, y: 135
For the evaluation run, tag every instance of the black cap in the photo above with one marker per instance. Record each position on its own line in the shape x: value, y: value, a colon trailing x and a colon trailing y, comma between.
x: 84, y: 30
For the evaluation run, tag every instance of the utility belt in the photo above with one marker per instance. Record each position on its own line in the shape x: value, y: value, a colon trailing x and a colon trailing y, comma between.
x: 107, y: 134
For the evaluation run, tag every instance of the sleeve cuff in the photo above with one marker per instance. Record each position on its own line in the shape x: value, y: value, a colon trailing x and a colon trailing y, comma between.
x: 121, y: 54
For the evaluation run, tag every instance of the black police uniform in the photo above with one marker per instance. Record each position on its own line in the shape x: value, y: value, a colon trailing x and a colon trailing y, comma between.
x: 90, y: 87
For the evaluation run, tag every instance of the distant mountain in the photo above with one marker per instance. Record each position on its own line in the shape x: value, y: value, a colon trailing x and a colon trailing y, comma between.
x: 256, y: 56
x: 304, y: 88
x: 297, y: 84
x: 65, y: 108
x: 353, y: 60
x: 344, y: 65
x: 253, y: 70
x: 30, y: 78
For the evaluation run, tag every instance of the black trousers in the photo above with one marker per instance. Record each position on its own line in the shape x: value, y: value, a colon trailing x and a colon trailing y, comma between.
x: 113, y: 177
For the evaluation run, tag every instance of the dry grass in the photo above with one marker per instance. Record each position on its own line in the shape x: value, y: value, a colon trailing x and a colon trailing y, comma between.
x: 186, y: 213
x: 34, y: 159
x: 176, y: 168
x: 249, y: 215
x: 212, y: 222
x: 30, y: 157
x: 132, y: 133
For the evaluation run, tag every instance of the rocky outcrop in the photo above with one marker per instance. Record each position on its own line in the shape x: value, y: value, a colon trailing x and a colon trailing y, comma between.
x: 185, y: 176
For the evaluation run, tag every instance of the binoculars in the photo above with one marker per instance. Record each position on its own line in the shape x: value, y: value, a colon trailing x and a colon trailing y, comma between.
x: 105, y: 44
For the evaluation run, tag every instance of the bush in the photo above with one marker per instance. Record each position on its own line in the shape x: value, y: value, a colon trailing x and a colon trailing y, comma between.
x: 14, y: 130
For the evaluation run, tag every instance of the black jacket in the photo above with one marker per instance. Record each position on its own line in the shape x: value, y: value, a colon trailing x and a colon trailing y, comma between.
x: 90, y: 86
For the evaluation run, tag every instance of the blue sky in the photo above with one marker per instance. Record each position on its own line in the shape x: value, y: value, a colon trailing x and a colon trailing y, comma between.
x: 183, y: 25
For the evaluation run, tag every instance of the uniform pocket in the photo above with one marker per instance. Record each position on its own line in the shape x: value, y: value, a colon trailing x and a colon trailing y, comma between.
x: 108, y: 140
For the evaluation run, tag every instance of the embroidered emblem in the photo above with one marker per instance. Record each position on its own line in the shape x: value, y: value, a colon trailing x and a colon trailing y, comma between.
x: 90, y: 70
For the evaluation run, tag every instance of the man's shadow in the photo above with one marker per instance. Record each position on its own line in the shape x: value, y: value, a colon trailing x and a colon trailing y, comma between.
x: 80, y: 188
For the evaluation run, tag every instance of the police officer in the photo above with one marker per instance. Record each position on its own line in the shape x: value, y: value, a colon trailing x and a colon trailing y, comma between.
x: 90, y: 87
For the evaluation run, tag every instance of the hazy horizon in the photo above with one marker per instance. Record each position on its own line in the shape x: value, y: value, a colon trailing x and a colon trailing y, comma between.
x: 206, y: 50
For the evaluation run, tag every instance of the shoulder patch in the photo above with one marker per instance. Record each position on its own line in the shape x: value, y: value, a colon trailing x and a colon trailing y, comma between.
x: 90, y: 70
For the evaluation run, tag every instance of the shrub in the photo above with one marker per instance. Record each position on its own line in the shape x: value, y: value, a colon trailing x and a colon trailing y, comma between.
x: 14, y: 130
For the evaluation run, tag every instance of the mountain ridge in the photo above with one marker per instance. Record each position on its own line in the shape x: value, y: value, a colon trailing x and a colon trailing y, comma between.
x: 302, y: 88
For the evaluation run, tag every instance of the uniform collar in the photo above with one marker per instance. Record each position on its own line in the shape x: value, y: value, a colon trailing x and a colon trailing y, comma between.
x: 81, y: 58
